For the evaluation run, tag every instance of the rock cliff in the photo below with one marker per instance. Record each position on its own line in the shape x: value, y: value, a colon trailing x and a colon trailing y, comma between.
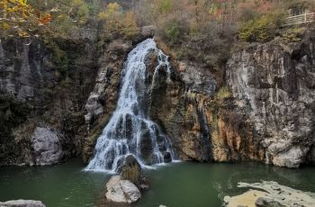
x: 43, y: 87
x: 259, y: 106
x: 273, y: 84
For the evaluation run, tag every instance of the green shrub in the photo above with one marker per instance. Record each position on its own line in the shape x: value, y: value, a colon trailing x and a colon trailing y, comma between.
x: 223, y: 93
x: 117, y: 21
x: 261, y: 29
x: 172, y: 30
x: 294, y: 34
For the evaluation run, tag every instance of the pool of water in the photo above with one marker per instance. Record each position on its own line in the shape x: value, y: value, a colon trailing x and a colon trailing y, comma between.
x: 175, y: 185
x: 57, y: 186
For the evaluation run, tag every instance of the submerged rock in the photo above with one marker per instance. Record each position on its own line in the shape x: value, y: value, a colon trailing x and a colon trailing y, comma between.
x: 22, y: 203
x: 270, y: 194
x: 122, y: 191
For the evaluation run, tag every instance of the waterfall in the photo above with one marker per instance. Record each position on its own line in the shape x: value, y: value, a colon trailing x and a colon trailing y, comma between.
x: 130, y: 130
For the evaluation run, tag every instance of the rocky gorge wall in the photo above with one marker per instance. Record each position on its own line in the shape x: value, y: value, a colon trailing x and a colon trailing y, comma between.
x: 263, y: 111
x: 261, y: 106
x: 273, y: 84
x: 43, y: 85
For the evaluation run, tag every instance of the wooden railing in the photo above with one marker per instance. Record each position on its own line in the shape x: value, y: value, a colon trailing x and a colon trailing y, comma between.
x: 300, y: 19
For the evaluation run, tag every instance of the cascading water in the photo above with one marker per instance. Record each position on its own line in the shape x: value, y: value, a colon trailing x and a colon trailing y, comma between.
x: 130, y: 130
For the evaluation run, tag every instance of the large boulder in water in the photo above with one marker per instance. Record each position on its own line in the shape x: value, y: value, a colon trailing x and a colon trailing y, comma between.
x: 22, y: 203
x: 131, y: 170
x: 122, y: 191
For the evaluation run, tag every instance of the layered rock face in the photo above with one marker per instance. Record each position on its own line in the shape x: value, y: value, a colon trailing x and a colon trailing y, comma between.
x: 265, y: 114
x: 178, y: 107
x: 43, y: 86
x: 274, y: 85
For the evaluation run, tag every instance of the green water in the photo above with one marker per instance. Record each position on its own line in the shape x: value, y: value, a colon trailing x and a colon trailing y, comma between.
x: 176, y: 185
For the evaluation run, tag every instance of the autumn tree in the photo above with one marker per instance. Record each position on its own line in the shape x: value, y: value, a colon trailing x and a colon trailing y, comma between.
x: 116, y: 21
x: 18, y: 18
x: 67, y: 16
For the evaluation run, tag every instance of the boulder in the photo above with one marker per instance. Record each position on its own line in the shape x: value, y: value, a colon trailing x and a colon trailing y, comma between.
x: 270, y: 194
x: 46, y: 146
x: 22, y: 203
x: 131, y: 170
x: 122, y: 191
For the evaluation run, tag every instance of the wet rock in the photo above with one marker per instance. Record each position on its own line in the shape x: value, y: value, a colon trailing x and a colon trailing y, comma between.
x: 47, y: 146
x: 179, y: 104
x: 312, y: 155
x: 121, y: 191
x: 167, y: 157
x: 131, y: 170
x: 22, y: 203
x: 129, y: 126
x: 146, y: 147
x: 103, y: 98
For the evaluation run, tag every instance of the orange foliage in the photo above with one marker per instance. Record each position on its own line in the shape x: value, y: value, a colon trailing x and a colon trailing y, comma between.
x: 45, y: 19
x: 17, y: 17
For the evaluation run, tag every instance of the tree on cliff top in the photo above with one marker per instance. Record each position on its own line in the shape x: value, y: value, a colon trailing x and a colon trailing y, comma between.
x: 117, y: 21
x: 17, y: 17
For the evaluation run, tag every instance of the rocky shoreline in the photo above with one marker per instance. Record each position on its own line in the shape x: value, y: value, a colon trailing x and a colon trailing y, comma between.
x: 270, y: 194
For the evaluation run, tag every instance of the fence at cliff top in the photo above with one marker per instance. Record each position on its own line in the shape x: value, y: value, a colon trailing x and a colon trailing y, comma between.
x: 307, y: 17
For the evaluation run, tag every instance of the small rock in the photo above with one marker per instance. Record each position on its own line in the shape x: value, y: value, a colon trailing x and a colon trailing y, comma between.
x: 22, y: 203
